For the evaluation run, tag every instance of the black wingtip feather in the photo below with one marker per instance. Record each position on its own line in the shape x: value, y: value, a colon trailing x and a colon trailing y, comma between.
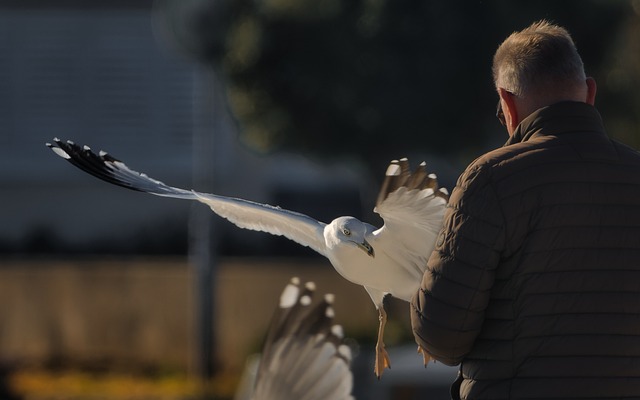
x: 86, y: 160
x: 112, y: 170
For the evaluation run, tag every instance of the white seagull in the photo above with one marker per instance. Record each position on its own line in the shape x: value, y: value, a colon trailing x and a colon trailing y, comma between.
x: 387, y: 261
x: 304, y: 356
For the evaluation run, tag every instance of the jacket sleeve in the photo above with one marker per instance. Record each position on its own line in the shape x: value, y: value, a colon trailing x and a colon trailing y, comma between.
x: 447, y: 312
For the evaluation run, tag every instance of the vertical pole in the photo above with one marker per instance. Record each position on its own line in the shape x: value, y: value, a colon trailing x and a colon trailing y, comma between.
x: 201, y: 235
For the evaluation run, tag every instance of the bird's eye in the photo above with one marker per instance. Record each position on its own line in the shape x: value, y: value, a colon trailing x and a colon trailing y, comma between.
x: 346, y: 232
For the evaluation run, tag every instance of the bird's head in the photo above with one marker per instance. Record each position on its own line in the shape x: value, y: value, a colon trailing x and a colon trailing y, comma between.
x: 349, y: 231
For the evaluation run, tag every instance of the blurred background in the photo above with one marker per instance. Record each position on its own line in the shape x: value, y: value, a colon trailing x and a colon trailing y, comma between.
x: 111, y: 294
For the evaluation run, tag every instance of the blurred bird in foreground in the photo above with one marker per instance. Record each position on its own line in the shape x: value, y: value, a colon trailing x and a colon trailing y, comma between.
x: 304, y: 356
x: 387, y: 261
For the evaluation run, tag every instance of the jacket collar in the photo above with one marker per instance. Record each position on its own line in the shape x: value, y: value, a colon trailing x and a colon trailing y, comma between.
x: 556, y: 119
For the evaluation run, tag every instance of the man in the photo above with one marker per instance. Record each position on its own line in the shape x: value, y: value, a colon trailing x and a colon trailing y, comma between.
x: 534, y: 284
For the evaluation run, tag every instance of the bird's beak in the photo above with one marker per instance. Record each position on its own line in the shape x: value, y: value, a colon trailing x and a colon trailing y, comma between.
x: 367, y: 248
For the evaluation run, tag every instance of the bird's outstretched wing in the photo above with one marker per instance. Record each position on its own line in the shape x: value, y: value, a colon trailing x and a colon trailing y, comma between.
x: 412, y: 207
x: 304, y: 356
x: 245, y: 214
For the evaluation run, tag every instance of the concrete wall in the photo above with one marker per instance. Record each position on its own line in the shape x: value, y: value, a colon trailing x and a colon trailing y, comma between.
x: 139, y: 312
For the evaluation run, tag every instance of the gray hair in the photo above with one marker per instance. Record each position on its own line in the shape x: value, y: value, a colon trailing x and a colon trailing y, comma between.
x: 542, y: 57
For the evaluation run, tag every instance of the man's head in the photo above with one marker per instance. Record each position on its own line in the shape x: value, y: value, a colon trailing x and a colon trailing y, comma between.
x: 536, y: 67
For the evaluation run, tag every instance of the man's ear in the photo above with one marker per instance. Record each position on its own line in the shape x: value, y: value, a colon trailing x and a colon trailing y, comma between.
x: 591, y: 91
x: 509, y: 109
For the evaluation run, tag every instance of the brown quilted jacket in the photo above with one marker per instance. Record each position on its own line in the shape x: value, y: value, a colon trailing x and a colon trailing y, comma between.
x: 534, y: 285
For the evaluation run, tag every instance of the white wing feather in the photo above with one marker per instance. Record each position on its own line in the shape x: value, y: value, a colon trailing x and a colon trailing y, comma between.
x: 412, y: 217
x: 246, y: 214
x: 298, y: 227
x: 412, y: 220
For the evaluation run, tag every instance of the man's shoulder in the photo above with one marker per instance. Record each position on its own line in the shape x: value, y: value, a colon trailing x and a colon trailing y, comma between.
x: 548, y: 149
x: 481, y: 169
x: 626, y: 152
x: 503, y: 156
x: 513, y: 158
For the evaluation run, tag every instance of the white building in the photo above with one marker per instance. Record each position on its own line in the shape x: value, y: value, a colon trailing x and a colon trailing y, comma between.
x: 95, y: 72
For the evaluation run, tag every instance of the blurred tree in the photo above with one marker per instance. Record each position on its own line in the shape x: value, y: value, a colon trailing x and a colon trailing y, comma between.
x: 619, y: 81
x: 375, y: 79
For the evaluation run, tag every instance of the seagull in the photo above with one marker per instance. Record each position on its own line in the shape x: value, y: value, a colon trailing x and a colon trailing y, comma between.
x: 387, y: 261
x: 304, y: 356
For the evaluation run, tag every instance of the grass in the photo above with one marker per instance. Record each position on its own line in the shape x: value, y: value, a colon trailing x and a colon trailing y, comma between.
x: 81, y: 385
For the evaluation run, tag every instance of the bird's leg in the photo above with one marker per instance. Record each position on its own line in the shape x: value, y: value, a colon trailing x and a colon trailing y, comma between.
x: 382, y: 357
x: 425, y: 356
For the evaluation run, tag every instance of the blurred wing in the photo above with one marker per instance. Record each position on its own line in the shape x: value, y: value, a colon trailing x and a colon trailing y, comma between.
x: 303, y: 356
x: 245, y: 214
x: 412, y: 207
